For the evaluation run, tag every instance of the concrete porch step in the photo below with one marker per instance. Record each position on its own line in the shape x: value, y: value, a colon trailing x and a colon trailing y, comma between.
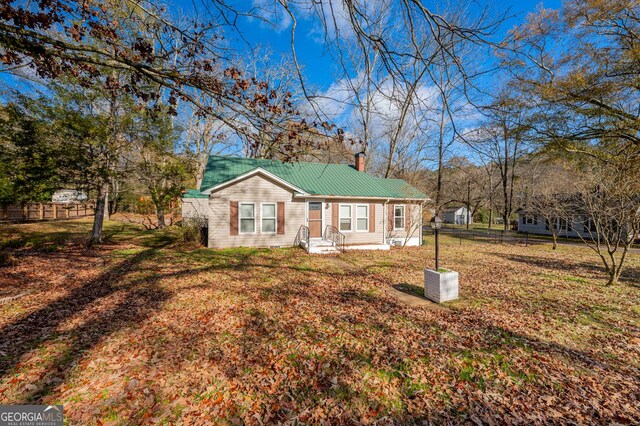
x: 320, y: 243
x: 322, y: 246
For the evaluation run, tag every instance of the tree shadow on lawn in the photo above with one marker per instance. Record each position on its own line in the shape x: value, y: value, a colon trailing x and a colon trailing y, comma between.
x: 269, y: 357
x: 264, y: 335
x: 38, y: 328
x: 133, y: 286
x: 629, y: 274
x: 410, y: 289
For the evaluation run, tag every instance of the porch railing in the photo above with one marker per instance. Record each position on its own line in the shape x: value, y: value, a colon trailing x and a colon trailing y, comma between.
x: 302, y: 237
x: 331, y: 233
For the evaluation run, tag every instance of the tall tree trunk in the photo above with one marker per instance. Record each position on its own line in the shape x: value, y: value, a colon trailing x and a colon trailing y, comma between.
x: 468, y: 202
x: 160, y: 214
x: 440, y: 161
x: 490, y: 213
x: 157, y: 201
x: 98, y: 218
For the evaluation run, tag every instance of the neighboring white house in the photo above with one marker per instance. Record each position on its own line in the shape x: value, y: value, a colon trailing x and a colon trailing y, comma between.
x: 456, y: 215
x: 69, y: 196
x: 322, y: 207
x: 577, y: 227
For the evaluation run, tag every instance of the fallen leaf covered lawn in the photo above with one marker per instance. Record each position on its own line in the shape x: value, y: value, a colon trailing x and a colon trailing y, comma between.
x: 147, y: 329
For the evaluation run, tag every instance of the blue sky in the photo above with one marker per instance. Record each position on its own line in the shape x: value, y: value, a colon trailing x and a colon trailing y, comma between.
x: 319, y: 73
x: 313, y: 54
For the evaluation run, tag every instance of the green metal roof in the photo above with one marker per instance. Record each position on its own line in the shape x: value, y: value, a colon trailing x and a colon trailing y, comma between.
x: 313, y: 178
x: 194, y: 193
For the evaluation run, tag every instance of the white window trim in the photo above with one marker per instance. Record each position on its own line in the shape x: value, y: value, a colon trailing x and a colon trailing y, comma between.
x: 255, y: 218
x: 404, y: 217
x: 340, y: 217
x: 358, y: 217
x: 275, y: 218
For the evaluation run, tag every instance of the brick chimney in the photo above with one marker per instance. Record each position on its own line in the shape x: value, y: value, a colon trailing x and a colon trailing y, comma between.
x: 360, y: 161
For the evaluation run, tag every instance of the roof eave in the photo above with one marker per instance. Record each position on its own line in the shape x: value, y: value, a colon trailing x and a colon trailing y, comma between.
x: 257, y: 170
x: 362, y: 197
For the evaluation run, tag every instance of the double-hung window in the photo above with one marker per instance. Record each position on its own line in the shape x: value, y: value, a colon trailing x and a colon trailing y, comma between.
x: 563, y: 225
x: 345, y: 217
x: 268, y: 219
x: 398, y: 217
x: 362, y: 218
x: 247, y: 218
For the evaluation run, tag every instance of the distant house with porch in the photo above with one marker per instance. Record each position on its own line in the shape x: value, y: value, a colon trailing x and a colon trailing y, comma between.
x: 322, y: 207
x: 578, y: 226
x: 456, y: 215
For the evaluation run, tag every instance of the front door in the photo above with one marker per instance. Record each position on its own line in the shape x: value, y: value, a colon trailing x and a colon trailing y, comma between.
x: 315, y: 219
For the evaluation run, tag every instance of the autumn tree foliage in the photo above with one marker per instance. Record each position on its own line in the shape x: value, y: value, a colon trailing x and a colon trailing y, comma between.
x: 579, y: 67
x: 133, y: 49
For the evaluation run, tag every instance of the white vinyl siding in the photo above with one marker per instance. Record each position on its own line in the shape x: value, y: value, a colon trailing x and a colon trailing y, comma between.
x: 362, y: 218
x: 268, y: 218
x: 251, y: 190
x: 398, y: 217
x: 345, y: 217
x: 247, y: 218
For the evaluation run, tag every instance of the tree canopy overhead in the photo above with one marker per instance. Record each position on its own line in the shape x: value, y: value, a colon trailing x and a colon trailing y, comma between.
x: 580, y: 67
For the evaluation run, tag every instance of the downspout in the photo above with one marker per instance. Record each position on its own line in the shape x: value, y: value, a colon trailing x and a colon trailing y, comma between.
x: 385, y: 220
x: 420, y: 228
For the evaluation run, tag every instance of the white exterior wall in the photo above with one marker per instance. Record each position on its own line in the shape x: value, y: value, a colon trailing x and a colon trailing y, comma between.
x: 255, y: 189
x: 353, y: 236
x: 408, y: 237
x: 458, y: 217
x: 259, y: 189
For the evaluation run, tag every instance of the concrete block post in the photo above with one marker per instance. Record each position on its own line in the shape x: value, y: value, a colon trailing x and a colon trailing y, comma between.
x: 440, y: 286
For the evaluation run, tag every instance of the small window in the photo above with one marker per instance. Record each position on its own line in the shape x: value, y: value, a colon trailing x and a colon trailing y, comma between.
x: 268, y: 219
x: 562, y: 224
x: 362, y: 218
x: 398, y: 217
x: 247, y: 218
x: 345, y: 217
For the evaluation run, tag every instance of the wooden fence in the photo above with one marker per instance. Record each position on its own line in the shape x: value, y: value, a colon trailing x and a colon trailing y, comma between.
x: 44, y: 211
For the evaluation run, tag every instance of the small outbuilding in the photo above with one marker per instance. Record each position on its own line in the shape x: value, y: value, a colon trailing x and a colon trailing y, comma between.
x: 457, y: 216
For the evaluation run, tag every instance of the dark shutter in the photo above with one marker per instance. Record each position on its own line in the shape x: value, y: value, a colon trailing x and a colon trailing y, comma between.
x: 233, y: 218
x: 334, y: 215
x: 390, y: 213
x: 280, y: 216
x: 372, y: 218
x: 407, y: 217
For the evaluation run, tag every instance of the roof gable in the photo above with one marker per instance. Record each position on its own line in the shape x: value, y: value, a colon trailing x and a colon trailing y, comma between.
x: 309, y: 178
x: 258, y: 171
